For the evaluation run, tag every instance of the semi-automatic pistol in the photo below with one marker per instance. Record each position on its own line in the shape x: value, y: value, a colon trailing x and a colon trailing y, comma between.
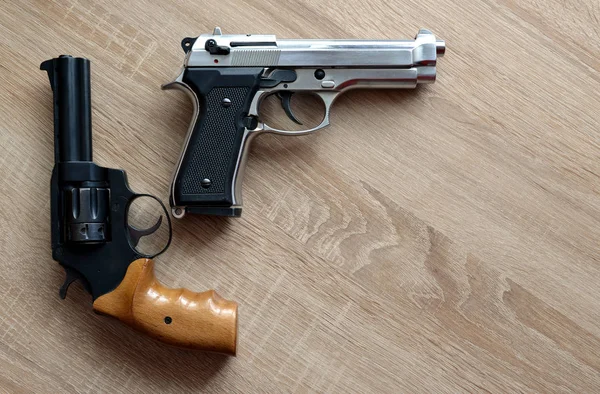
x: 228, y: 76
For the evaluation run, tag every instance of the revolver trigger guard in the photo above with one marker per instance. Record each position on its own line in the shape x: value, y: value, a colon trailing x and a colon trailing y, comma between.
x: 134, y: 234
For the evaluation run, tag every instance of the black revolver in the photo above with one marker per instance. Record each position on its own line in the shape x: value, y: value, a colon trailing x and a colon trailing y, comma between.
x: 93, y: 241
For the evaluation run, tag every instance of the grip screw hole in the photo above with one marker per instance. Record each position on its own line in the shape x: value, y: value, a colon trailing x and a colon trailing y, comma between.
x: 205, y: 183
x: 168, y: 320
x: 226, y: 102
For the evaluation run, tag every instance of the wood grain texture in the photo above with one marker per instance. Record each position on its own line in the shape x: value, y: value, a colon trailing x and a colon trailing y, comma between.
x: 180, y: 317
x: 438, y: 240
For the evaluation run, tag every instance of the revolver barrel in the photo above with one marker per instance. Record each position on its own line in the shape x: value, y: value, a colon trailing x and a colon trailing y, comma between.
x: 74, y: 105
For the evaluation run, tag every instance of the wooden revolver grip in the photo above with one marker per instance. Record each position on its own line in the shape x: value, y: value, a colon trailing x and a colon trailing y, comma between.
x: 176, y: 316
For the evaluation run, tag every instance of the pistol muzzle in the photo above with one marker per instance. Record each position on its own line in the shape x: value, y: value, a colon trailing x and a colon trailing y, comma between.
x: 440, y: 47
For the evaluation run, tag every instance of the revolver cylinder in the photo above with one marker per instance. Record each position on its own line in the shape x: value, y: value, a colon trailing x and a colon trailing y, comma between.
x: 86, y: 214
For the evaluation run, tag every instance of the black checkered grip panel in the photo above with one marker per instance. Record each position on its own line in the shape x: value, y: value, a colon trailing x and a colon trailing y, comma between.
x: 212, y: 154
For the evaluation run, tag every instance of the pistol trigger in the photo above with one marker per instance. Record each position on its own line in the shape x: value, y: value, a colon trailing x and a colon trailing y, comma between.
x: 135, y: 233
x: 286, y: 103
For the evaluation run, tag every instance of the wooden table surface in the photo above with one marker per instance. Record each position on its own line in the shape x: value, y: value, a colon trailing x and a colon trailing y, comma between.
x: 444, y: 239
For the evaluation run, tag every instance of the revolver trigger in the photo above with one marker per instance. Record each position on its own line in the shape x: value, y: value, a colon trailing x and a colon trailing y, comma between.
x: 286, y: 103
x: 135, y: 233
x: 72, y: 276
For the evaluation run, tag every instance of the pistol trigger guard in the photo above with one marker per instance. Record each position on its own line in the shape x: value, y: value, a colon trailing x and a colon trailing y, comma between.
x: 134, y: 234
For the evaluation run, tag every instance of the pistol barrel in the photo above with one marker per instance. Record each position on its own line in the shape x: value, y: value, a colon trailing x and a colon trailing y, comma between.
x: 440, y: 46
